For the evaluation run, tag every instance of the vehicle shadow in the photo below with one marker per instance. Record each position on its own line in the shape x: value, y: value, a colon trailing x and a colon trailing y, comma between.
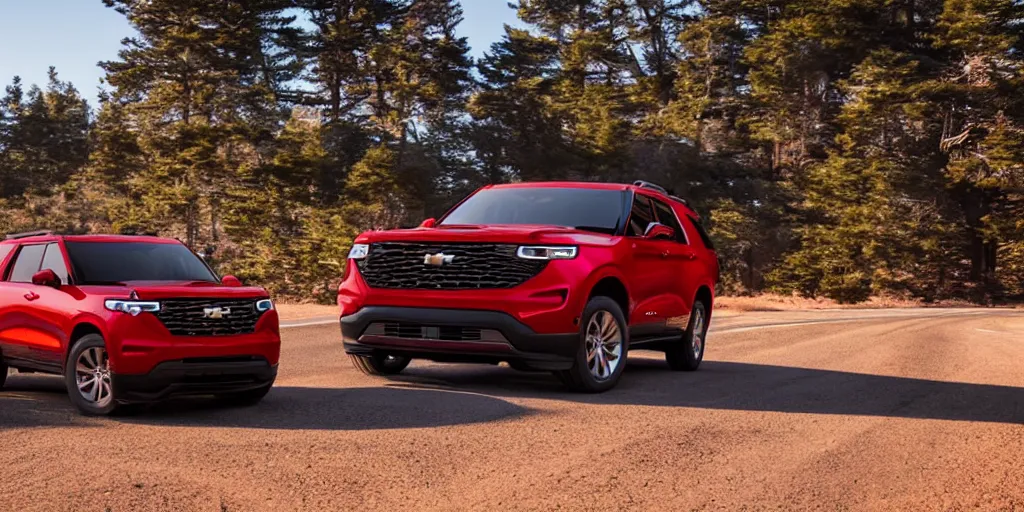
x: 369, y: 408
x: 43, y: 402
x: 751, y: 387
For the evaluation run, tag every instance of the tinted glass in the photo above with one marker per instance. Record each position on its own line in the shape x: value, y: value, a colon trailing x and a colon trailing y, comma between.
x: 54, y: 260
x: 589, y: 209
x: 4, y: 251
x: 640, y: 217
x: 668, y: 218
x: 27, y: 263
x: 118, y: 262
x: 703, y: 234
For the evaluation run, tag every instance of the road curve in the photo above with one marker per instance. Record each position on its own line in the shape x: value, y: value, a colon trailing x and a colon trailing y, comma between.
x: 840, y: 410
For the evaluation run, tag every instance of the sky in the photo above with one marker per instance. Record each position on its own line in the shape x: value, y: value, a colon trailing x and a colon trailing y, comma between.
x: 73, y: 35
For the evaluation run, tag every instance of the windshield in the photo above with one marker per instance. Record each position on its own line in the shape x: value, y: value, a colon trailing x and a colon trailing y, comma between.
x: 118, y: 262
x: 581, y: 208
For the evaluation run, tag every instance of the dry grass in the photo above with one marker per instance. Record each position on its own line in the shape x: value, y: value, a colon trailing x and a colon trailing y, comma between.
x: 773, y: 302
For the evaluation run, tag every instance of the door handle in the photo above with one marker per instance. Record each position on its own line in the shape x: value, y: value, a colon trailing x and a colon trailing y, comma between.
x: 31, y: 296
x: 688, y: 255
x: 664, y: 254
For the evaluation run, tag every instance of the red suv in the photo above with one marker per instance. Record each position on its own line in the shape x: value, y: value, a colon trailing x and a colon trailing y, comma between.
x: 565, y: 277
x: 132, y: 319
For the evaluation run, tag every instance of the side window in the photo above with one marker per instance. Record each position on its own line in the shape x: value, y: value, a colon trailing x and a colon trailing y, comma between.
x: 703, y: 234
x: 54, y: 260
x: 26, y: 263
x: 640, y: 216
x: 667, y: 217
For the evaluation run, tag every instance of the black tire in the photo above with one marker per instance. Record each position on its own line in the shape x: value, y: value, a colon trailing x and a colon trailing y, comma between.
x: 684, y: 356
x: 579, y: 377
x: 84, y: 406
x: 3, y: 374
x: 245, y: 398
x: 380, y: 364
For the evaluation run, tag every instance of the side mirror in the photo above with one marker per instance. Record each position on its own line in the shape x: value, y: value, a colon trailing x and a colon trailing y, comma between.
x: 429, y: 223
x: 659, y: 231
x: 46, y: 277
x: 231, y: 281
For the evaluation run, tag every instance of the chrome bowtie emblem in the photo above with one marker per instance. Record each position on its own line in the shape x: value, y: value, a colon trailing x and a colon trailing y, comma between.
x: 216, y: 313
x: 438, y: 259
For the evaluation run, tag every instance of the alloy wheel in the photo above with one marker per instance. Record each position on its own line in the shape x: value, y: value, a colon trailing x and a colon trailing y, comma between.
x: 92, y: 373
x: 604, y: 345
x: 697, y: 338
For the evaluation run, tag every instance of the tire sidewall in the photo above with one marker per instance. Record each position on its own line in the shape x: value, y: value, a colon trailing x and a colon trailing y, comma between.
x: 70, y: 379
x: 594, y: 306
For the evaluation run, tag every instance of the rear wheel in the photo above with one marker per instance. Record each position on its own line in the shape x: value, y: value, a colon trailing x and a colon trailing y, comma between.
x: 87, y: 375
x: 3, y: 374
x: 687, y: 354
x: 604, y: 342
x: 380, y: 364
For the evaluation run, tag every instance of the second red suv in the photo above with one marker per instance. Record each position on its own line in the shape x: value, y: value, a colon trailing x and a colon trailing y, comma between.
x: 566, y: 277
x: 132, y: 319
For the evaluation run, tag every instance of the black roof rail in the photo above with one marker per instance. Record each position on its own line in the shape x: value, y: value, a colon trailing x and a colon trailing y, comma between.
x: 652, y: 186
x: 681, y: 200
x: 16, y: 236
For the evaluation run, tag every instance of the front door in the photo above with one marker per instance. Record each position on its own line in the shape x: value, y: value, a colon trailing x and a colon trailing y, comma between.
x: 649, y: 275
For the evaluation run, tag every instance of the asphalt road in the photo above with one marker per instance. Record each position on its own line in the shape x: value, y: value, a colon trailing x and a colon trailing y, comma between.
x: 853, y: 410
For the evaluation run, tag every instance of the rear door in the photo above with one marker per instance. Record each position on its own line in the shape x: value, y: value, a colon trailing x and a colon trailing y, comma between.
x: 32, y: 317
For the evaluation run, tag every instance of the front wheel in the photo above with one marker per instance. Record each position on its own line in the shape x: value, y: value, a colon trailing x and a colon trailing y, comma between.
x: 687, y: 353
x: 604, y: 342
x: 87, y: 375
x: 380, y: 364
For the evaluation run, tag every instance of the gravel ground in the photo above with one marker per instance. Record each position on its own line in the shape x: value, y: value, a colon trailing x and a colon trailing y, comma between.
x: 841, y: 410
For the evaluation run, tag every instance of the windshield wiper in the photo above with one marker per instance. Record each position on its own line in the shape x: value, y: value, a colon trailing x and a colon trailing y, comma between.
x: 104, y: 283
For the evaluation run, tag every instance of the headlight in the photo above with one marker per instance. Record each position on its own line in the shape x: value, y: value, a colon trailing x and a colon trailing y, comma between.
x: 359, y: 251
x: 264, y: 305
x: 132, y: 307
x: 530, y: 252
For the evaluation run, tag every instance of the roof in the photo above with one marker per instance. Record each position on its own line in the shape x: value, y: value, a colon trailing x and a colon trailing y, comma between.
x: 88, y: 238
x: 565, y: 184
x: 597, y: 185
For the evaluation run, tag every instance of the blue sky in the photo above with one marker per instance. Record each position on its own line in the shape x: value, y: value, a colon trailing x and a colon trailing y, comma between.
x: 74, y: 35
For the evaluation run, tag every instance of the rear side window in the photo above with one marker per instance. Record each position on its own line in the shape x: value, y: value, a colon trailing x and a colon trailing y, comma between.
x: 667, y: 217
x: 54, y: 260
x: 26, y: 264
x: 703, y: 234
x: 640, y: 217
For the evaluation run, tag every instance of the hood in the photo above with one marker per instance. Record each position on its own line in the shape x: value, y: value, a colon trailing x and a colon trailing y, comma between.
x: 511, y: 234
x: 154, y: 290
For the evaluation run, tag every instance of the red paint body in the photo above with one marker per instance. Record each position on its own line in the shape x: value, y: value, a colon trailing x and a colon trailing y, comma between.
x: 661, y: 277
x: 38, y: 323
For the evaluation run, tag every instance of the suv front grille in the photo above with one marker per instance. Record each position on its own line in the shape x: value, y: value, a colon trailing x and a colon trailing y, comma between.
x: 187, y: 317
x: 470, y: 267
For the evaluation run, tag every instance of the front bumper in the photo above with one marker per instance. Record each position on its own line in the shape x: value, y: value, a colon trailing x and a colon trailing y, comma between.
x: 436, y: 334
x: 190, y: 377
